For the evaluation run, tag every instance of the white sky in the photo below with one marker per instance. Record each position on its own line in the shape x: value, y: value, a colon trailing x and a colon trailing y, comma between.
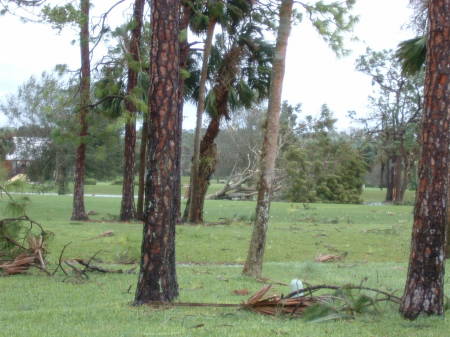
x: 314, y: 75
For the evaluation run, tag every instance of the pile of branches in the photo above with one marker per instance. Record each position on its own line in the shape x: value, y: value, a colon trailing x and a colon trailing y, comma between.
x: 277, y: 305
x: 343, y: 303
x: 20, y: 254
x: 23, y: 241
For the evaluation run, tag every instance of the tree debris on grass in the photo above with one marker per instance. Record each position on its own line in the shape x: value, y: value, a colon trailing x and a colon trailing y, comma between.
x: 343, y: 303
x: 23, y: 241
x: 328, y: 258
x: 103, y: 235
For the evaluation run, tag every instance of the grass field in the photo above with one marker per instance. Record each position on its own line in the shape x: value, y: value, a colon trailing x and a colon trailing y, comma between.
x: 375, y: 239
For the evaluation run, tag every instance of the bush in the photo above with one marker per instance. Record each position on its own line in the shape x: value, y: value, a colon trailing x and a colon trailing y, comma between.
x: 90, y: 181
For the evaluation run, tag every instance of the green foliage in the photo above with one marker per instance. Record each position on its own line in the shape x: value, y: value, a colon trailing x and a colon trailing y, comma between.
x: 44, y: 108
x: 322, y: 165
x: 90, y: 181
x: 395, y: 109
x: 332, y: 20
x: 6, y: 143
x: 59, y: 16
x: 14, y: 226
x: 412, y: 54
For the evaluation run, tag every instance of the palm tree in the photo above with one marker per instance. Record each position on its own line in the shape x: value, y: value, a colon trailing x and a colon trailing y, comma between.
x: 239, y: 73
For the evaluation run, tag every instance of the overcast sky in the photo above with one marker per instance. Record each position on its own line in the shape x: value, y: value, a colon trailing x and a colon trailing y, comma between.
x: 314, y: 75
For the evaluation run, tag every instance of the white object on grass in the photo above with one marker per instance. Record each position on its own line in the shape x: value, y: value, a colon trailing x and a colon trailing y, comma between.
x: 295, y: 286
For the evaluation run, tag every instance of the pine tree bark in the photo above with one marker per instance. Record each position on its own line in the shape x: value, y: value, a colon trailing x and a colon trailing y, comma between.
x: 194, y: 186
x: 424, y: 289
x: 157, y: 278
x: 78, y: 210
x: 127, y: 209
x: 253, y: 264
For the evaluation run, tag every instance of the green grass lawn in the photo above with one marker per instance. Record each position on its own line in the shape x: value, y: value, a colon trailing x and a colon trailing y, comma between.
x: 375, y: 239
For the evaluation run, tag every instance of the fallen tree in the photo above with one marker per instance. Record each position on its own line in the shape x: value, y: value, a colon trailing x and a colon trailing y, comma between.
x: 240, y: 185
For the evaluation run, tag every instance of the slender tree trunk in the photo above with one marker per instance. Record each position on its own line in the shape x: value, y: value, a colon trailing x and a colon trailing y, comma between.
x: 78, y: 211
x: 424, y: 289
x: 127, y: 210
x: 142, y: 167
x: 157, y: 278
x: 253, y: 264
x: 61, y: 172
x: 194, y: 186
x: 184, y: 58
x: 389, y: 180
x: 397, y: 180
x: 382, y: 168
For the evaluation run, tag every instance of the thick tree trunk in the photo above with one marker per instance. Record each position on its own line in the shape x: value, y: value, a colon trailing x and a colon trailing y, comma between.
x: 157, y: 277
x: 127, y: 210
x: 142, y: 167
x: 424, y: 289
x: 196, y: 185
x: 253, y: 264
x: 78, y: 211
x: 447, y: 246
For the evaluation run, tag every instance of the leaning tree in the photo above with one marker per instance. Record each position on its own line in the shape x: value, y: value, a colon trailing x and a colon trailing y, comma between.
x: 239, y: 72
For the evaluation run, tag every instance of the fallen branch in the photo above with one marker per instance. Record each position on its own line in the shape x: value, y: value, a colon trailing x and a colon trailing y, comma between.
x: 292, y: 304
x: 312, y: 289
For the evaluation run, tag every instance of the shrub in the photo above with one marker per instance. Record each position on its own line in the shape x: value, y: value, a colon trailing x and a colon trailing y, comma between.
x: 90, y: 181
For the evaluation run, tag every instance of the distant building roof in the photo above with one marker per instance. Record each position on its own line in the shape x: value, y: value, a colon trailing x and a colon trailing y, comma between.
x: 27, y: 148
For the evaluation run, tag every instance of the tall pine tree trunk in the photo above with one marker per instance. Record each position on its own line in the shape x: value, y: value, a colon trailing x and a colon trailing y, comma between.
x: 142, y: 167
x: 424, y: 289
x: 127, y: 209
x: 78, y: 210
x: 157, y: 278
x: 194, y: 186
x: 253, y: 264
